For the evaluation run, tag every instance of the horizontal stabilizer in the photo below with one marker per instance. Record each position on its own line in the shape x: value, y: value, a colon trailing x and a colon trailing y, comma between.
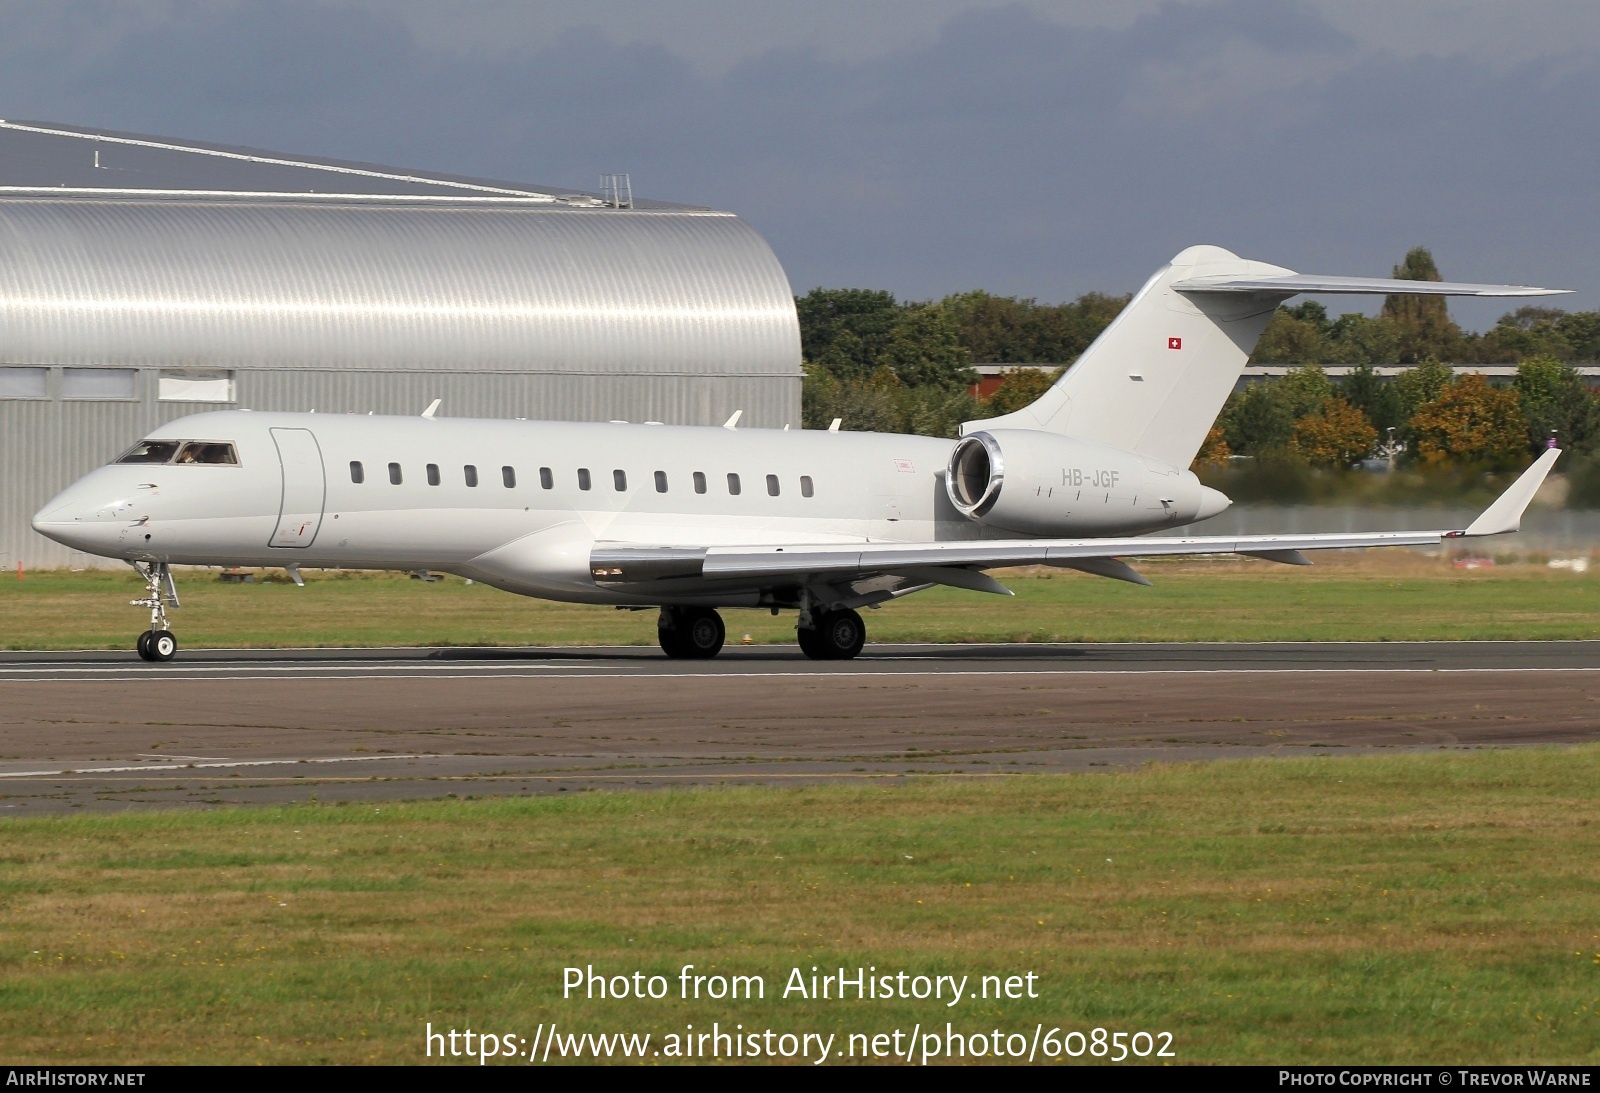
x: 1295, y: 283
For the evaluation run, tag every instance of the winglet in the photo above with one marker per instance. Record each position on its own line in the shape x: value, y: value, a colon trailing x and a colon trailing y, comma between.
x: 1506, y: 512
x: 432, y: 407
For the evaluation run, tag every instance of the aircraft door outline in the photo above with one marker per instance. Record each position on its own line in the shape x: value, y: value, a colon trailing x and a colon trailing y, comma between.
x: 304, y: 490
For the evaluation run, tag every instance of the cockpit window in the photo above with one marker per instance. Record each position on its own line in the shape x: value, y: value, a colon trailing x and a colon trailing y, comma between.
x: 213, y: 452
x: 150, y: 451
x: 208, y: 451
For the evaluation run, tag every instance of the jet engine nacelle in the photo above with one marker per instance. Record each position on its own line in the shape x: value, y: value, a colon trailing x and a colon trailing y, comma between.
x: 1038, y: 483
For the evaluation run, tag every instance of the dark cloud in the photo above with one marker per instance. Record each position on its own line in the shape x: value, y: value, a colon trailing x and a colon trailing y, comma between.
x: 1010, y: 152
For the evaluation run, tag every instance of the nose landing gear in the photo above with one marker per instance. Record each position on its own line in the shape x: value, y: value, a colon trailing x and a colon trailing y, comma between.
x: 158, y: 642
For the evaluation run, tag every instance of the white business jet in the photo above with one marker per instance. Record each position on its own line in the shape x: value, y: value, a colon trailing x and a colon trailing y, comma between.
x: 692, y: 519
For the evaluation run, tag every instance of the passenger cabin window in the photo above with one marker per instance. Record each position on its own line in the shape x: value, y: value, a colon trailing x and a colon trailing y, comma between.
x: 394, y: 473
x: 699, y: 482
x: 583, y: 478
x: 433, y: 474
x: 508, y: 475
x: 619, y: 479
x: 358, y: 473
x: 150, y: 451
x: 733, y: 484
x: 805, y: 486
x: 661, y: 481
x: 470, y: 473
x: 772, y: 485
x: 547, y: 481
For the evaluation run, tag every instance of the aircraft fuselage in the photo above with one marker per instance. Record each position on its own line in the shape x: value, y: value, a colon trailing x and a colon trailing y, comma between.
x: 520, y: 504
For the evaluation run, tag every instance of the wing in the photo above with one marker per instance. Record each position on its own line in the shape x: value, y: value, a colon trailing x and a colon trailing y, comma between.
x: 914, y: 566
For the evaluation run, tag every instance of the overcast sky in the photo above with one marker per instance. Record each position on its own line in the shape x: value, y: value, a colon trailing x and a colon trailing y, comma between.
x: 1045, y: 148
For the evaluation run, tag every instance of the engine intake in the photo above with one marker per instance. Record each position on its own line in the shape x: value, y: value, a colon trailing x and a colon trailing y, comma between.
x: 977, y: 471
x: 1038, y: 483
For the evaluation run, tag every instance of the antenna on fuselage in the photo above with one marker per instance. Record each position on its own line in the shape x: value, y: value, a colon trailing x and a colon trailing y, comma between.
x: 733, y: 422
x: 432, y: 406
x: 833, y: 426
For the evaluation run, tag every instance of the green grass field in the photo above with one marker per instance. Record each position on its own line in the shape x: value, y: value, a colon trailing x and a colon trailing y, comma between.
x: 1406, y: 909
x: 1386, y: 596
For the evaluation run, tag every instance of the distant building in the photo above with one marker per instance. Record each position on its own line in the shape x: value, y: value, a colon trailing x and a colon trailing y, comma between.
x: 142, y: 279
x: 991, y: 376
x: 1496, y: 373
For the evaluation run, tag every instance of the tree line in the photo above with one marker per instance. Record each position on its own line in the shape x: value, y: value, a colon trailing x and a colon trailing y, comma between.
x: 882, y: 364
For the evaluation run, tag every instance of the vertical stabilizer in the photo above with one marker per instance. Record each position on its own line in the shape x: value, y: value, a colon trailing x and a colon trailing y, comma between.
x: 1155, y: 380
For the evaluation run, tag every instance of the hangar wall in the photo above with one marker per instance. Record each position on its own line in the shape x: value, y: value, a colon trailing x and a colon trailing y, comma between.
x: 47, y: 443
x: 119, y: 311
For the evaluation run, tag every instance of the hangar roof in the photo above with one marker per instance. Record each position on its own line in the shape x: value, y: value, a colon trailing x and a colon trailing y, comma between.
x: 51, y: 154
x: 120, y: 250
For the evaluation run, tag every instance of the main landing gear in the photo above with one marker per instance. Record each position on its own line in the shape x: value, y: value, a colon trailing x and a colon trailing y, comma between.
x: 697, y: 633
x: 158, y: 642
x: 833, y: 635
x: 690, y: 633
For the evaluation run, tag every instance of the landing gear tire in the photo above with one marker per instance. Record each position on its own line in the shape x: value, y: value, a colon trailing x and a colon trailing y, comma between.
x: 160, y: 592
x: 838, y: 635
x: 162, y: 646
x: 691, y: 633
x: 811, y: 643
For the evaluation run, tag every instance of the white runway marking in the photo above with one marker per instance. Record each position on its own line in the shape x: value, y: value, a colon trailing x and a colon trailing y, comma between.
x: 185, y: 758
x: 579, y: 673
x: 346, y: 668
x: 145, y: 768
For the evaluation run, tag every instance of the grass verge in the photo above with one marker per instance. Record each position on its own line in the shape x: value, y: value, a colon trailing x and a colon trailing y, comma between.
x: 1432, y: 908
x: 1392, y: 596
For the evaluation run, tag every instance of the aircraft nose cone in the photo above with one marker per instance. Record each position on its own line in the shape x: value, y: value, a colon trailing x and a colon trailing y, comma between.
x: 1212, y: 502
x: 73, y: 520
x: 60, y: 509
x: 58, y: 521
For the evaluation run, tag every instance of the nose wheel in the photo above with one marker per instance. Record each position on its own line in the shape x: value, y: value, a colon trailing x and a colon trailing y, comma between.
x: 157, y: 643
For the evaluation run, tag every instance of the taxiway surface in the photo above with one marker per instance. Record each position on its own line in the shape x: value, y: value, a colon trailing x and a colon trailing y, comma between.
x: 104, y: 730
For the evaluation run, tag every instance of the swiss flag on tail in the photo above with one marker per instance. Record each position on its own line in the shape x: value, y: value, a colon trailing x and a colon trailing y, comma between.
x: 1174, y: 343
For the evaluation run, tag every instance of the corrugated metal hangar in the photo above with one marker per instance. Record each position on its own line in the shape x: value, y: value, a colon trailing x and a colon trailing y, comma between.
x: 142, y: 279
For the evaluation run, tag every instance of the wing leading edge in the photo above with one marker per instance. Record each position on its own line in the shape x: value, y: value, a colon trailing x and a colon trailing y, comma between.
x: 933, y: 563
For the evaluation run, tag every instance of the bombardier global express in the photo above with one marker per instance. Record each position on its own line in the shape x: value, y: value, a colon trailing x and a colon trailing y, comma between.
x: 693, y: 519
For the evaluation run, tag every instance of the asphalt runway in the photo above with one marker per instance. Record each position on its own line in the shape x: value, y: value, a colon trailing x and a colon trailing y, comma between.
x: 107, y: 731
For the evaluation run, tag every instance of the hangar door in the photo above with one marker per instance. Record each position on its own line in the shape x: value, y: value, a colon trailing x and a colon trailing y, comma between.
x: 304, y: 487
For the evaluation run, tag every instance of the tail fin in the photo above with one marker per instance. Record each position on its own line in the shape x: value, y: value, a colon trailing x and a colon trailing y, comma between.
x: 1155, y: 380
